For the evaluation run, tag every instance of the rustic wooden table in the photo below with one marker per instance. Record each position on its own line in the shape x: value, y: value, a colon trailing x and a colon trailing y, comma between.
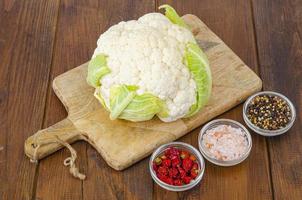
x: 43, y: 38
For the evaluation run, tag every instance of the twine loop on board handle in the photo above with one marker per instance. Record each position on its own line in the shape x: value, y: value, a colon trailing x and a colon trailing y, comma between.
x: 70, y: 161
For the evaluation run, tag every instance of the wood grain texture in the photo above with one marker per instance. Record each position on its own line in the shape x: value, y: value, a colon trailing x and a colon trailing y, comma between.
x: 76, y: 31
x: 27, y: 30
x: 279, y: 33
x: 232, y: 21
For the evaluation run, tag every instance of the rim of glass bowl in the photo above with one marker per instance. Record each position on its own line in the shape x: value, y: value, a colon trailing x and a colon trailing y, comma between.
x: 233, y: 123
x: 263, y: 131
x: 179, y: 145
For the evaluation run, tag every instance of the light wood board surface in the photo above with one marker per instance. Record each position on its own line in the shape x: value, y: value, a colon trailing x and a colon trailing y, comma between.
x: 122, y: 143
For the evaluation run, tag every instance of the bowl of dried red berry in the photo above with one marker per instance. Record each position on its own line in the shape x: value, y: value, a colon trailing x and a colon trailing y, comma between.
x: 177, y: 166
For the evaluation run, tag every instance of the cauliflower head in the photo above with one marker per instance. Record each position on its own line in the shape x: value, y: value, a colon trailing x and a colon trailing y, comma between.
x: 150, y: 66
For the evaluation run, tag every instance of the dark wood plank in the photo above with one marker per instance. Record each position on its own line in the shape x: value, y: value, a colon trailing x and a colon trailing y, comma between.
x: 73, y: 45
x: 279, y: 38
x: 79, y: 25
x: 232, y: 21
x: 27, y: 29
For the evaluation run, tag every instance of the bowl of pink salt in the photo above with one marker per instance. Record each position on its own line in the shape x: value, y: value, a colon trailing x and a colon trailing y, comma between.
x: 225, y: 142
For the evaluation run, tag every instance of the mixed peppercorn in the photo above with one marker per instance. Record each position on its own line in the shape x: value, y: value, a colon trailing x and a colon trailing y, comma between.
x: 176, y: 167
x: 269, y: 112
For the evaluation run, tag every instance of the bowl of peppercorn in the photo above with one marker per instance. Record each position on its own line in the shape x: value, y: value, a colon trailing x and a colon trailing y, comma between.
x: 176, y: 166
x: 269, y: 113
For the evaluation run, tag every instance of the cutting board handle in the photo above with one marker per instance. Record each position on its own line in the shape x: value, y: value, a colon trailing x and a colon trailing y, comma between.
x: 46, y: 139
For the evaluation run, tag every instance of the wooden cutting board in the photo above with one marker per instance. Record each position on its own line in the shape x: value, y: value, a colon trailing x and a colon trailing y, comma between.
x: 122, y: 143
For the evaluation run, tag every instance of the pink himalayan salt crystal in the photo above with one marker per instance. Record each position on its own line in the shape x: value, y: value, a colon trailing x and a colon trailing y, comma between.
x: 225, y: 142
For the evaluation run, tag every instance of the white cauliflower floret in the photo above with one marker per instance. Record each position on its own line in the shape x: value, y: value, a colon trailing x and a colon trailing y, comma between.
x: 148, y: 53
x: 150, y: 66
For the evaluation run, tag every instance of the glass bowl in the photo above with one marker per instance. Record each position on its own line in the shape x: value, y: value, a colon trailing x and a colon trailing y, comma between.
x: 265, y: 132
x: 180, y: 145
x: 215, y: 123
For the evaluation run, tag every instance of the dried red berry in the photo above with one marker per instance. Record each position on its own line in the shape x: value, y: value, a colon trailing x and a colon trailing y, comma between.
x: 187, y: 164
x: 162, y: 170
x: 172, y: 152
x: 178, y: 182
x: 182, y: 172
x: 194, y: 173
x: 195, y: 165
x: 187, y: 179
x: 166, y: 179
x: 173, y: 172
x: 175, y: 162
x: 176, y: 167
x: 169, y: 181
x: 192, y: 157
x: 157, y: 161
x: 184, y: 154
x: 154, y: 167
x: 167, y: 162
x: 162, y: 177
